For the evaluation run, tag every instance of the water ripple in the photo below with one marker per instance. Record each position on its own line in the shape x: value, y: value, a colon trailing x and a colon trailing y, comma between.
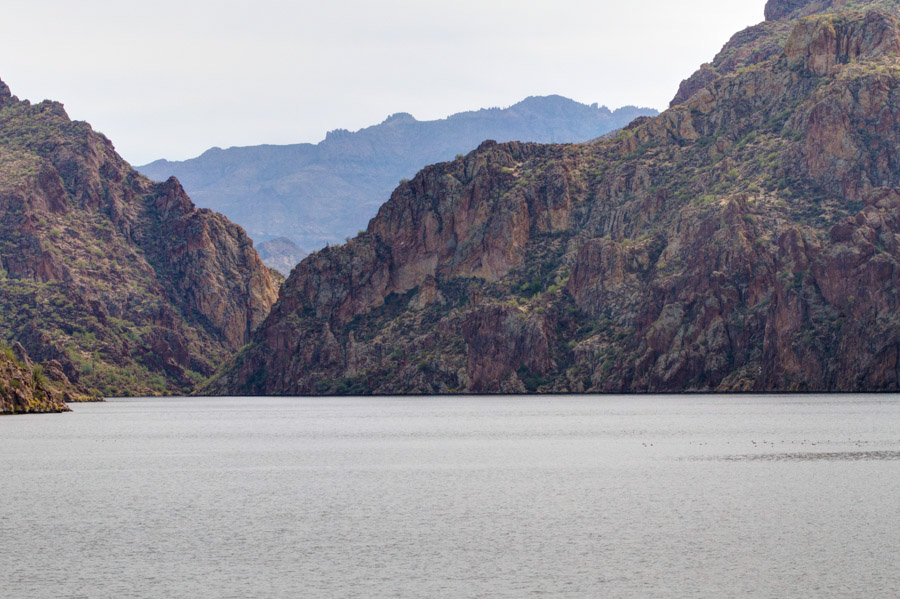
x: 833, y: 456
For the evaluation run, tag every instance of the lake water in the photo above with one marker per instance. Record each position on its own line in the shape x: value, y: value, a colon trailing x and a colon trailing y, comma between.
x: 573, y: 497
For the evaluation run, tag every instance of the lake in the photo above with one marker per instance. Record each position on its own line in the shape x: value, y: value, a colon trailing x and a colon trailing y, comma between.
x: 463, y: 497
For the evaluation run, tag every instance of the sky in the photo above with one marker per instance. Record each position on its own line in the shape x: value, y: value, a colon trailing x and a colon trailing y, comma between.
x: 172, y: 78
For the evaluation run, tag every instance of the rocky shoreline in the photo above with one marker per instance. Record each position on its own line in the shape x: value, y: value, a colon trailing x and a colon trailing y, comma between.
x: 29, y: 387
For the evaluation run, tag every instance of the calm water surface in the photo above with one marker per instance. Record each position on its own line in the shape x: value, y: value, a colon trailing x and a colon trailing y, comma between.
x: 576, y: 497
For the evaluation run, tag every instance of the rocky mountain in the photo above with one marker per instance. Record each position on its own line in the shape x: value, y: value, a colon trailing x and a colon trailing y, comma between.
x: 747, y: 239
x: 280, y: 253
x: 120, y: 280
x: 28, y: 387
x: 320, y: 194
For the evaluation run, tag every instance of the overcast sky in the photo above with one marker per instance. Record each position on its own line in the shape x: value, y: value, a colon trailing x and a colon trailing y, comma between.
x: 171, y: 78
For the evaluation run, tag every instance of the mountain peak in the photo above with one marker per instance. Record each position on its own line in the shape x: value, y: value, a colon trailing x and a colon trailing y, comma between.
x: 401, y: 117
x: 552, y: 100
x: 5, y: 94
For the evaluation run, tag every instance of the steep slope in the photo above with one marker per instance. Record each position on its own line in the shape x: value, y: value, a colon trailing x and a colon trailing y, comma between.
x: 319, y: 194
x: 746, y: 239
x: 22, y: 390
x: 121, y: 280
x: 28, y: 387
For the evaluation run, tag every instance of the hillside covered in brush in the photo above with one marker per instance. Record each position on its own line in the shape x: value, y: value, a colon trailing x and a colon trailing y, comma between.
x: 748, y: 238
x: 315, y: 194
x: 119, y: 280
x: 28, y: 387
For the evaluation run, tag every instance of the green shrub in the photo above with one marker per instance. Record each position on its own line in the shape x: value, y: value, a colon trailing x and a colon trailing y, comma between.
x: 38, y: 378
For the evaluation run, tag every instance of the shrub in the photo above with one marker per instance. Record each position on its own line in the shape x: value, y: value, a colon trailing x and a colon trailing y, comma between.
x: 38, y: 378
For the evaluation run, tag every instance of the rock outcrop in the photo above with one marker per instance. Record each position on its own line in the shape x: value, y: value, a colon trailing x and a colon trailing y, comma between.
x: 27, y: 387
x: 744, y: 240
x: 822, y: 46
x: 121, y: 281
x: 782, y: 9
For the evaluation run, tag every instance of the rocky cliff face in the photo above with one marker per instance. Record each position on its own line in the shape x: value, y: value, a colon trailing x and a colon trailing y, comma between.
x: 27, y: 387
x: 21, y: 391
x: 747, y: 239
x: 320, y: 194
x: 793, y: 9
x: 121, y: 280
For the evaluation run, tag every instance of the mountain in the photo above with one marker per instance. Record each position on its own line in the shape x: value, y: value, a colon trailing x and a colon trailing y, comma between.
x: 320, y: 194
x: 120, y: 280
x: 747, y: 239
x: 280, y: 253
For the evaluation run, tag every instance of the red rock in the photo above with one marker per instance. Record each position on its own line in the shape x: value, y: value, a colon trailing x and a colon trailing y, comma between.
x: 744, y: 240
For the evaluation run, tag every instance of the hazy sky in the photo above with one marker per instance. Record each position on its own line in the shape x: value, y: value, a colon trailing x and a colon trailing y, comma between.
x: 171, y: 78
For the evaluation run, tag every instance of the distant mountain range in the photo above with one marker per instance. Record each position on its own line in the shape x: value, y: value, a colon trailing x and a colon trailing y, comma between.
x: 280, y: 253
x: 316, y: 194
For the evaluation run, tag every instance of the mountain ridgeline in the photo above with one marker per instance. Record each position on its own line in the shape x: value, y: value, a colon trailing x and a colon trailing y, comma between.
x: 747, y: 239
x: 118, y: 283
x: 319, y: 194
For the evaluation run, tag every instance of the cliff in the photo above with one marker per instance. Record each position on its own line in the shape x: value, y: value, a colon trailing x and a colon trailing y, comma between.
x: 747, y: 239
x: 28, y: 387
x: 122, y: 281
x: 320, y: 194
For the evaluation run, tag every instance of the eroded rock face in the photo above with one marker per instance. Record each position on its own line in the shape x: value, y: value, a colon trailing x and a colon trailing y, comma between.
x: 26, y: 387
x: 21, y: 393
x: 212, y: 267
x: 745, y: 239
x: 121, y: 281
x: 822, y: 45
x: 501, y: 340
x: 751, y: 46
x: 794, y: 9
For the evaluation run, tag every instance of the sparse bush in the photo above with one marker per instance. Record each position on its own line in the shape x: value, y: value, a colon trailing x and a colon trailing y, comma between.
x: 38, y: 377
